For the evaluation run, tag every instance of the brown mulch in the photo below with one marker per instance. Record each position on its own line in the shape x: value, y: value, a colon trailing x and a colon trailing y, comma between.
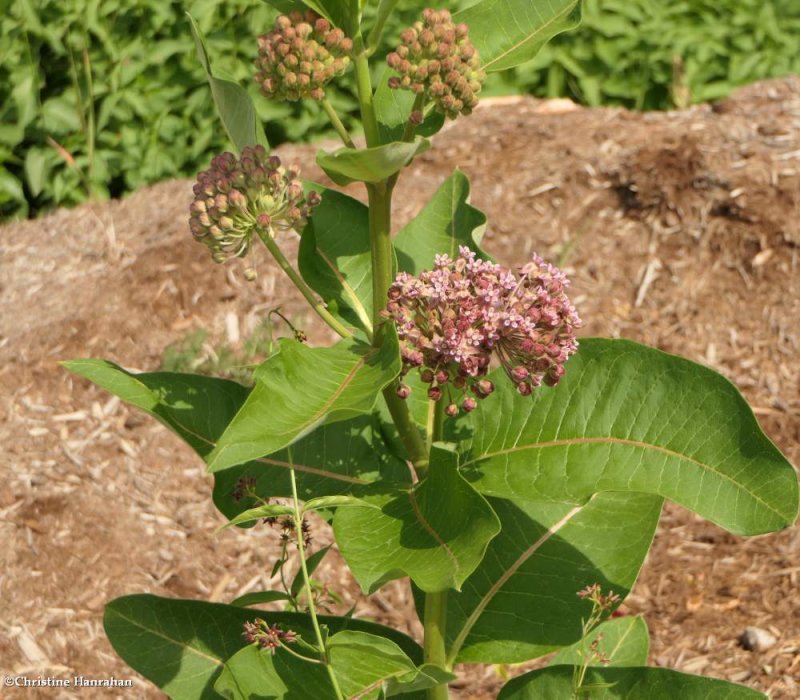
x: 678, y: 229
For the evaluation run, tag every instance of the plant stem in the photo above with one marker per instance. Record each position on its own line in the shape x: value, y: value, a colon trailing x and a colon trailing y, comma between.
x: 408, y: 430
x: 435, y: 421
x: 384, y: 10
x: 305, y: 290
x: 434, y: 645
x: 364, y: 85
x: 298, y: 524
x: 380, y: 224
x: 436, y: 603
x: 337, y: 123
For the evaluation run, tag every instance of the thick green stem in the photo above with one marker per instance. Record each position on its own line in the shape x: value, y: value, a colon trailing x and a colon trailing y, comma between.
x: 365, y: 100
x: 408, y: 430
x: 385, y: 8
x: 312, y: 611
x: 436, y: 603
x: 337, y: 123
x: 434, y: 645
x: 305, y: 290
x: 380, y: 224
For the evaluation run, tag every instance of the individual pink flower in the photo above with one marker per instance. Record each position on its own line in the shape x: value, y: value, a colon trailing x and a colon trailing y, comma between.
x: 453, y: 320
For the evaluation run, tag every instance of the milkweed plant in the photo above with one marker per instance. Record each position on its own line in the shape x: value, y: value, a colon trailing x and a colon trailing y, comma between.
x: 457, y: 435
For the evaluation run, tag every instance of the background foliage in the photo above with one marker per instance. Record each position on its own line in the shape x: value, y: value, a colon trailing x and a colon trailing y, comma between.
x: 103, y: 97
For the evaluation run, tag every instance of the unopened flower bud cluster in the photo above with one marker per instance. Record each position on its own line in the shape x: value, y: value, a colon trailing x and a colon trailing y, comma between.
x: 266, y: 636
x: 454, y: 319
x: 436, y: 58
x: 300, y: 56
x: 234, y: 196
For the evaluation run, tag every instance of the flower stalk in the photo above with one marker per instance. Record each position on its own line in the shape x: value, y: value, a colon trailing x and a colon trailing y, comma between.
x: 312, y: 611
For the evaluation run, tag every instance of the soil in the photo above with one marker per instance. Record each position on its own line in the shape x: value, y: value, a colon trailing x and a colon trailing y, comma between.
x: 680, y: 230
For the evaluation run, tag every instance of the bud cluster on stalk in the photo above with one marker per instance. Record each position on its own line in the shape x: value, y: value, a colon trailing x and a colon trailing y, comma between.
x: 454, y: 319
x: 436, y: 58
x: 300, y: 56
x: 235, y: 196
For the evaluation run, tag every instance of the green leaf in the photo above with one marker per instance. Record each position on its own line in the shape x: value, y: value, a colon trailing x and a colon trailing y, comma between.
x: 436, y: 532
x: 393, y: 109
x: 259, y: 597
x: 362, y: 663
x: 521, y: 603
x: 347, y: 165
x: 197, y: 408
x: 507, y: 33
x: 326, y: 502
x: 335, y: 259
x: 259, y: 513
x: 447, y: 222
x: 625, y: 684
x: 234, y: 106
x: 300, y: 388
x: 623, y: 640
x: 427, y: 676
x: 631, y: 418
x: 255, y: 673
x: 334, y: 460
x: 36, y: 168
x: 181, y: 645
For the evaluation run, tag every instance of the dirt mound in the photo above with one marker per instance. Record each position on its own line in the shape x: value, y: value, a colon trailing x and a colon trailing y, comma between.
x: 678, y: 229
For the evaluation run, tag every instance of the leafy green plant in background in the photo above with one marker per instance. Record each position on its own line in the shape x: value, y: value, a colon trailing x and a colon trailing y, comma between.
x: 101, y: 98
x: 650, y: 54
x: 453, y: 436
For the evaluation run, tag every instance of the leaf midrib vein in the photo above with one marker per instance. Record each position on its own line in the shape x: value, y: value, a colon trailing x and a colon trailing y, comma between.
x: 621, y: 441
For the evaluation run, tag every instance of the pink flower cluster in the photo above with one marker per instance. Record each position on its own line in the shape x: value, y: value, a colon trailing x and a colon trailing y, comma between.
x: 453, y: 319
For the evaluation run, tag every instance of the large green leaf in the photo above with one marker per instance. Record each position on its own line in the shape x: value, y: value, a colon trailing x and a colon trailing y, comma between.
x: 347, y: 165
x: 362, y: 663
x: 447, y: 222
x: 624, y: 641
x: 233, y: 103
x: 393, y: 109
x: 182, y: 645
x: 522, y: 602
x: 624, y: 684
x: 335, y: 459
x: 507, y: 33
x: 435, y: 533
x: 335, y: 259
x: 300, y: 388
x: 630, y: 418
x: 197, y: 408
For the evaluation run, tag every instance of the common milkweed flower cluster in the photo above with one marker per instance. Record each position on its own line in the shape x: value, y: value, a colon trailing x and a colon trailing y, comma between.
x: 236, y: 195
x: 436, y: 58
x: 300, y: 56
x: 454, y: 319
